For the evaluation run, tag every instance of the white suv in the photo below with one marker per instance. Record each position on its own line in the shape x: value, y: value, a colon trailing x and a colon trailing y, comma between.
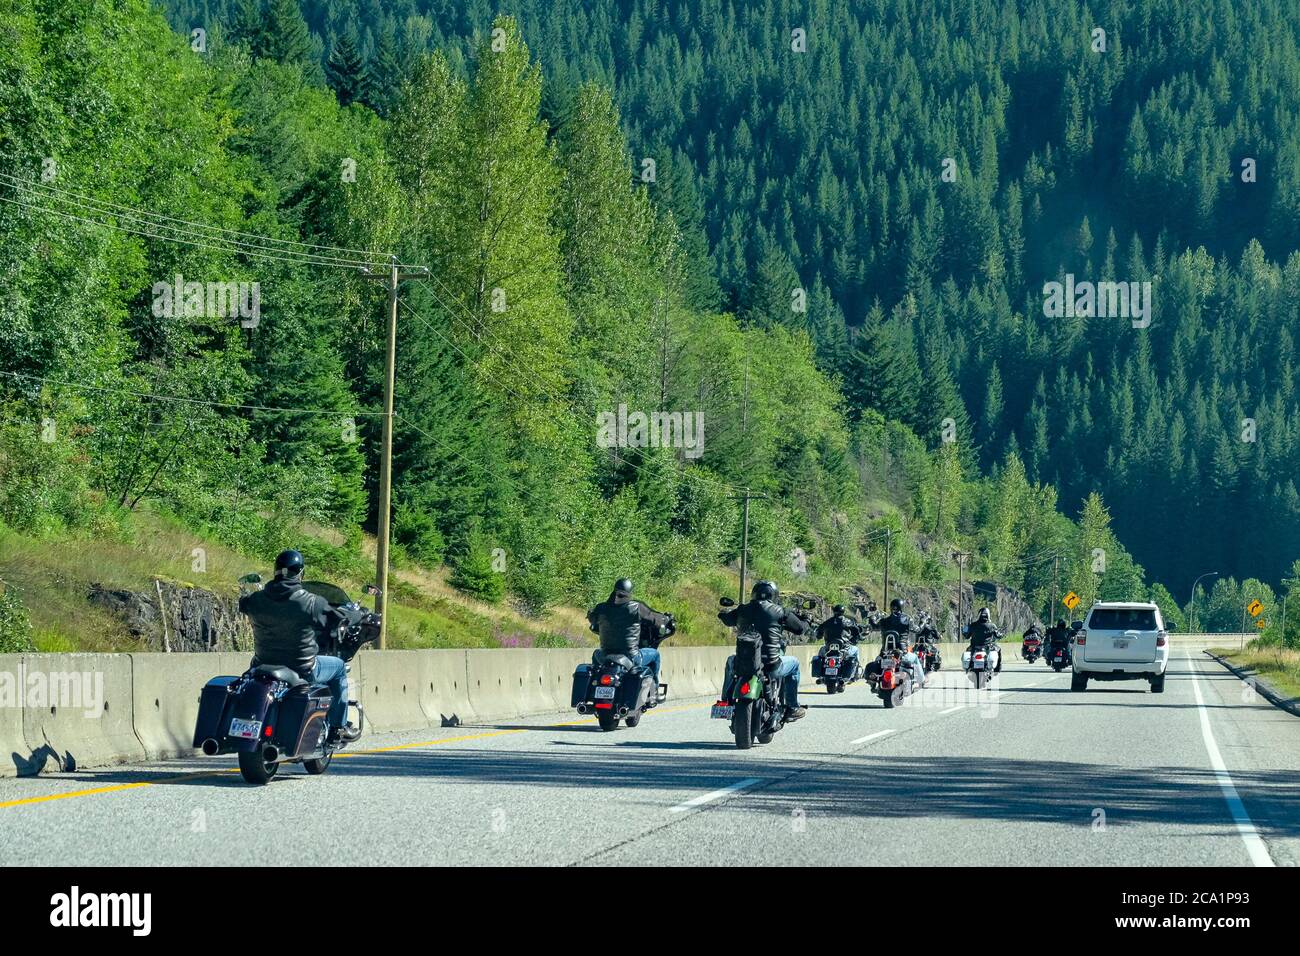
x: 1121, y: 640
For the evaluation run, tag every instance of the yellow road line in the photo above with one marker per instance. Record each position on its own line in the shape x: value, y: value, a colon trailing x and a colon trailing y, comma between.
x: 25, y: 801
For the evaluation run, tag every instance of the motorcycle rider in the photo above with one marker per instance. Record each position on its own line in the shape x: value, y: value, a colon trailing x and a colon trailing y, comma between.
x: 1030, y: 633
x: 618, y: 622
x: 1057, y: 636
x: 840, y: 629
x: 896, y: 620
x: 764, y: 615
x: 287, y: 620
x: 984, y: 633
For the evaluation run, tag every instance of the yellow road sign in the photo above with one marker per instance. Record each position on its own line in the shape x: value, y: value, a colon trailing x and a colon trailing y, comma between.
x: 1261, y: 624
x: 1071, y: 600
x: 1254, y: 607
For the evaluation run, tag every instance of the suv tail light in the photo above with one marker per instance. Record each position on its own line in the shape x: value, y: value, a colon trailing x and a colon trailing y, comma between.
x: 1082, y: 638
x: 1162, y: 638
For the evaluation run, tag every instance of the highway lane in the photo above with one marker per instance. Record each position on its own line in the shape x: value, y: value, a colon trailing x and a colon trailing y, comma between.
x: 1031, y: 774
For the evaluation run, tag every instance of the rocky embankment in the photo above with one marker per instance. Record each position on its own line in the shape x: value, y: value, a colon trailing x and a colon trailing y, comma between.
x: 177, y: 617
x: 1007, y: 608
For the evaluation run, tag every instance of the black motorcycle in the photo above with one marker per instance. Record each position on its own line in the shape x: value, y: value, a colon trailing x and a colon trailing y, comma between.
x: 750, y: 700
x: 614, y: 688
x: 835, y: 669
x: 270, y: 715
x: 1058, y: 657
x: 892, y: 682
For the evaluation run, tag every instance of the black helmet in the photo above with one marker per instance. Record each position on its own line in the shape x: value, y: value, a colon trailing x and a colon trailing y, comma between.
x: 288, y: 564
x: 984, y: 615
x: 765, y: 591
x: 895, y: 605
x: 1060, y: 622
x: 623, y: 587
x: 838, y: 609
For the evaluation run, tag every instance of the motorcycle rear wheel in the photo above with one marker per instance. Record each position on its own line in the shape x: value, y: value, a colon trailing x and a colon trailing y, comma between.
x: 318, y: 766
x: 632, y: 719
x: 743, y: 724
x: 887, y: 698
x: 254, y: 768
x: 608, y: 722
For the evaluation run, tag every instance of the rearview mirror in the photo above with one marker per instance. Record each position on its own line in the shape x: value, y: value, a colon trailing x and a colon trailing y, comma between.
x: 810, y: 605
x: 251, y: 578
x: 1076, y: 626
x: 726, y: 602
x: 373, y: 590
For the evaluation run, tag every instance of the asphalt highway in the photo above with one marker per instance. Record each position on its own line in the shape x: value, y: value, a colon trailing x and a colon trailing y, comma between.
x: 1028, y: 773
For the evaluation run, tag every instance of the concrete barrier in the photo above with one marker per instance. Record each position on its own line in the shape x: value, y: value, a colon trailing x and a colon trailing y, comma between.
x: 165, y: 691
x: 13, y: 745
x: 508, y: 682
x: 389, y: 685
x: 444, y: 687
x: 82, y: 713
x: 557, y: 673
x: 694, y: 671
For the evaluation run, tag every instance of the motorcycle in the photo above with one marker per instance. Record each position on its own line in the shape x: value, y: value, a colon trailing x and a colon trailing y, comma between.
x: 895, y: 682
x: 614, y: 688
x: 750, y: 700
x: 981, y: 662
x: 833, y: 668
x: 1059, y: 657
x: 270, y: 715
x: 1031, y: 647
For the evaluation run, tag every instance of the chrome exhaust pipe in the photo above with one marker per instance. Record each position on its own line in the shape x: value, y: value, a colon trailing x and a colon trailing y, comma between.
x: 211, y: 746
x: 270, y: 754
x: 582, y: 709
x: 622, y: 711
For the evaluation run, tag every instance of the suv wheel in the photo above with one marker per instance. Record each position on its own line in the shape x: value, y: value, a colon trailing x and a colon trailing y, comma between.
x: 1078, y: 681
x: 1158, y: 684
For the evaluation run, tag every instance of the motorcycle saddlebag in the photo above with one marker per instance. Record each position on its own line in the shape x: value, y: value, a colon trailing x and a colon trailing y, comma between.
x: 749, y: 655
x: 581, y: 681
x: 302, y: 720
x: 214, y: 713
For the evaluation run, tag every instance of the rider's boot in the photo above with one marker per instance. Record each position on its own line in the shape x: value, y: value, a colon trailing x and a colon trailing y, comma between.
x: 794, y: 713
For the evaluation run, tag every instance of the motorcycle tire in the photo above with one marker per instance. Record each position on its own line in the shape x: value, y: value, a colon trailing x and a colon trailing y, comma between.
x: 1058, y: 667
x: 742, y: 722
x: 887, y: 698
x: 254, y: 769
x: 316, y: 767
x: 607, y: 722
x: 632, y: 719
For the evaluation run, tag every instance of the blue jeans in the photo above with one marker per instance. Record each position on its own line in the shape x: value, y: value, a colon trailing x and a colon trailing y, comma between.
x: 648, y: 657
x: 332, y: 671
x: 789, y: 669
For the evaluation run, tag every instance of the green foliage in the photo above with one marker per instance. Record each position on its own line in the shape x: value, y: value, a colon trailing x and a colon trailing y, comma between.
x: 15, y: 625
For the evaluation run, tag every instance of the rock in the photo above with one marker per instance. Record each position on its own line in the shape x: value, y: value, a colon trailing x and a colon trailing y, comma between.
x: 196, y: 619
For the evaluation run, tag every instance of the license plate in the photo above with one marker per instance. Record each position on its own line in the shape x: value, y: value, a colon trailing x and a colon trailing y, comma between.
x: 831, y: 671
x: 1121, y: 645
x: 977, y: 665
x: 723, y: 711
x: 604, y: 693
x: 247, y: 729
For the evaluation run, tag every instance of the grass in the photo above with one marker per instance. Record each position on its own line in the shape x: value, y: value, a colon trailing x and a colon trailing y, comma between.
x: 1279, y: 666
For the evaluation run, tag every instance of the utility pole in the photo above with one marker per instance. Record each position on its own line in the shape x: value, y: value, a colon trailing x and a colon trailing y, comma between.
x: 961, y: 557
x: 889, y: 534
x: 393, y: 277
x: 1056, y: 578
x: 744, y: 540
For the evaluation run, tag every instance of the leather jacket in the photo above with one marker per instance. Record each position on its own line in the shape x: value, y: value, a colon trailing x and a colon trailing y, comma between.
x: 286, y: 621
x: 618, y: 622
x: 838, y: 629
x: 982, y: 633
x: 768, y: 620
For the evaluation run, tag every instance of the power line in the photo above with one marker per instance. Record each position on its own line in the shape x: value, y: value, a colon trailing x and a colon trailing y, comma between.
x: 181, y: 399
x: 27, y: 183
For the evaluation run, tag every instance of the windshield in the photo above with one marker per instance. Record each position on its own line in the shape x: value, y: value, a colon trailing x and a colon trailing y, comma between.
x: 330, y: 592
x: 1123, y: 619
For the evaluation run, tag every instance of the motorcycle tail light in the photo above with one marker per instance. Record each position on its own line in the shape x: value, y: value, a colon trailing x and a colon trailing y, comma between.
x: 744, y: 689
x: 830, y: 662
x: 979, y: 657
x: 266, y: 732
x: 887, y: 680
x: 605, y: 706
x: 606, y: 679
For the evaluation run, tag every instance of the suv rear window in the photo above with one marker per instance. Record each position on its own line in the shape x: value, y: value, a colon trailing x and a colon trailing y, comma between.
x: 1123, y: 619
